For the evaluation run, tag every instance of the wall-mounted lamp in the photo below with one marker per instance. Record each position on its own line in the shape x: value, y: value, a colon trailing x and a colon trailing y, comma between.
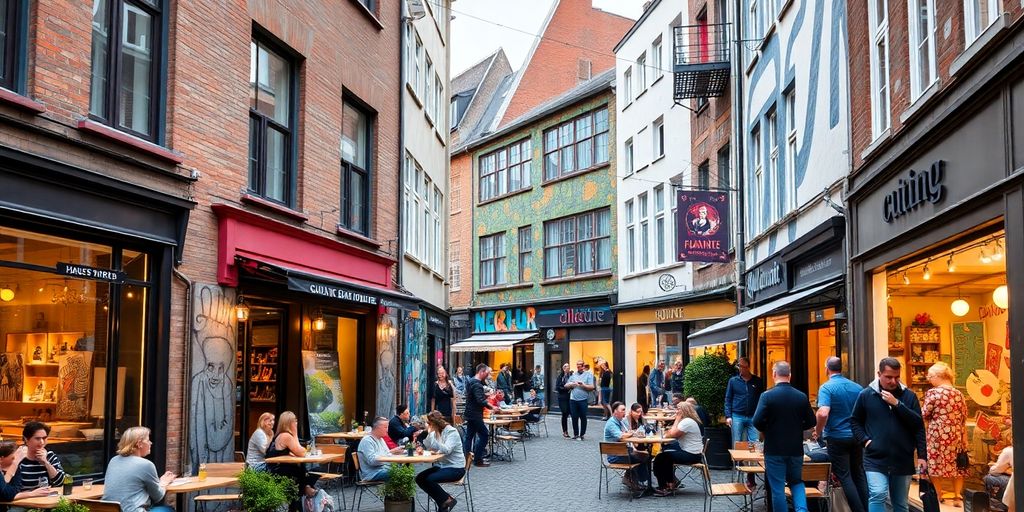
x: 386, y: 328
x: 241, y: 309
x: 319, y: 323
x: 6, y: 293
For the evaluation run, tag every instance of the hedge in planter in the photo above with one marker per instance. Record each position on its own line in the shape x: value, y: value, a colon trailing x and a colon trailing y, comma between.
x: 265, y: 492
x: 401, y: 483
x: 707, y: 376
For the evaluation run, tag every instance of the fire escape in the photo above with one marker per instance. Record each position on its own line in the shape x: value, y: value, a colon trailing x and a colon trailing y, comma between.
x: 700, y: 61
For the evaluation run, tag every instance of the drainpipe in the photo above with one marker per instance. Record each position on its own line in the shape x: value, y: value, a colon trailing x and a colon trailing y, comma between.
x: 403, y: 19
x: 185, y: 381
x: 737, y: 144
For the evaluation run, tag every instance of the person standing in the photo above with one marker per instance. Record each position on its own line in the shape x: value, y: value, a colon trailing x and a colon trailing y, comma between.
x: 887, y: 420
x: 742, y: 394
x: 605, y: 397
x: 641, y: 388
x: 564, y: 391
x: 537, y: 382
x: 783, y: 414
x: 504, y: 382
x: 656, y: 383
x: 442, y: 395
x: 945, y: 414
x: 460, y: 382
x: 675, y: 381
x: 835, y: 406
x: 476, y: 402
x: 581, y: 384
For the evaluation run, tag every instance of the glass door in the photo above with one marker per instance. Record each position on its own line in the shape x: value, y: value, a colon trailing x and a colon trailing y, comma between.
x: 258, y: 369
x: 554, y: 369
x: 815, y: 344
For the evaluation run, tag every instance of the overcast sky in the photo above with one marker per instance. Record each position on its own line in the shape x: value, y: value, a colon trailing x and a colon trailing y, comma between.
x: 477, y: 28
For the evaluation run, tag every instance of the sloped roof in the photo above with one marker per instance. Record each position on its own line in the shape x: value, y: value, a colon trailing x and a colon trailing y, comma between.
x: 470, y: 79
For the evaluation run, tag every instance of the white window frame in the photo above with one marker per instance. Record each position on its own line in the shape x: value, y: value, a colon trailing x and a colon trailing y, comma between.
x: 437, y: 258
x: 630, y: 162
x: 630, y: 237
x: 757, y: 195
x: 659, y: 225
x: 643, y: 212
x: 428, y: 89
x: 656, y: 49
x: 789, y: 99
x: 440, y: 124
x: 922, y: 75
x: 417, y: 84
x: 408, y: 210
x: 880, y: 98
x: 772, y: 171
x: 641, y: 73
x: 627, y: 86
x: 658, y: 137
x: 454, y: 266
x: 971, y: 14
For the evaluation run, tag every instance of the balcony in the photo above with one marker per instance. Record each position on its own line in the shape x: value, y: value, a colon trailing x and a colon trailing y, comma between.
x: 700, y: 61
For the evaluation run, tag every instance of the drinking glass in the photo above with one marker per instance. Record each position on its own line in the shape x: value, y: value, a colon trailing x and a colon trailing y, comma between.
x: 202, y: 472
x: 87, y: 484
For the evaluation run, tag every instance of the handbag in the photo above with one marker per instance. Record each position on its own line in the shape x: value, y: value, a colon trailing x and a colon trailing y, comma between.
x: 929, y: 498
x: 963, y: 460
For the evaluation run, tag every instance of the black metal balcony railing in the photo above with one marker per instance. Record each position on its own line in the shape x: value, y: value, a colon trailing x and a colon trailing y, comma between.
x: 701, y: 60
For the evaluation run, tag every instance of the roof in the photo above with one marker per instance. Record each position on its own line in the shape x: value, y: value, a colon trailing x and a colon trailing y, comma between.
x: 647, y: 12
x: 490, y: 115
x: 470, y: 79
x: 585, y: 90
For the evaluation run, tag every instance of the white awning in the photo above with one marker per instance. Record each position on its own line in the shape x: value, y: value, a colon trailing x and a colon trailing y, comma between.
x: 492, y: 342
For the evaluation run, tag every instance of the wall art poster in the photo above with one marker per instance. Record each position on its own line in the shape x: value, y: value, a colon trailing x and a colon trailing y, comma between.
x: 324, y: 401
x: 12, y: 376
x: 73, y: 376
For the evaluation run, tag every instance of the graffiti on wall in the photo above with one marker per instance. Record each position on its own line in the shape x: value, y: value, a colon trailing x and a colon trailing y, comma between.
x: 502, y: 320
x: 415, y: 370
x: 212, y: 398
x: 386, y: 358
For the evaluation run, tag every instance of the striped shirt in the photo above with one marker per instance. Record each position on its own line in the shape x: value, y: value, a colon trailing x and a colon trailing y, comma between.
x: 33, y: 474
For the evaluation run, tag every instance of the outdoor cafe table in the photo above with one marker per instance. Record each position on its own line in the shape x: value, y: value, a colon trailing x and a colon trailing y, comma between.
x: 348, y: 436
x: 651, y: 440
x: 323, y: 458
x: 183, y: 486
x: 756, y: 460
x: 493, y: 422
x: 50, y: 502
x: 411, y: 459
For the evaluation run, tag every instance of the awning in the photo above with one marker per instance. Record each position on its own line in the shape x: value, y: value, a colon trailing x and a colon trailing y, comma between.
x: 736, y: 327
x: 492, y: 342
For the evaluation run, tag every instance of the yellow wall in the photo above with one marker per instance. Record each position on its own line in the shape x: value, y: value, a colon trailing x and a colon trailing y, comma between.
x: 348, y: 336
x: 588, y: 351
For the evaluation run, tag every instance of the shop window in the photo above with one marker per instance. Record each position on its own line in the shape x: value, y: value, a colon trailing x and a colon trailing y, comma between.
x: 590, y: 352
x: 11, y: 51
x: 773, y: 345
x: 271, y: 119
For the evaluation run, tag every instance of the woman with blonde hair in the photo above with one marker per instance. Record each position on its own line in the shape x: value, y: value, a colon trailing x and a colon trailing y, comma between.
x: 945, y: 415
x: 256, y: 455
x: 131, y: 478
x: 686, y: 450
x: 286, y: 442
x: 443, y: 439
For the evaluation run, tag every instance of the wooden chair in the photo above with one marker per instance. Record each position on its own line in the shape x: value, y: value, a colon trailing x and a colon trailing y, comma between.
x: 239, y: 456
x: 337, y: 477
x: 817, y: 472
x: 362, y: 486
x: 516, y: 433
x: 744, y: 470
x: 462, y: 483
x: 620, y: 468
x: 100, y: 505
x: 729, y: 491
x: 228, y: 469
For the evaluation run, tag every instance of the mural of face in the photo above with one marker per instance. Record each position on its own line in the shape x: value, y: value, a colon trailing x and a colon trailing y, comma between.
x: 218, y: 354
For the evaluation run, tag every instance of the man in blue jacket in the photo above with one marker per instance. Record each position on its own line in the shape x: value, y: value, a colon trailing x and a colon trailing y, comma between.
x: 783, y: 414
x: 741, y: 397
x: 887, y: 421
x: 657, y: 384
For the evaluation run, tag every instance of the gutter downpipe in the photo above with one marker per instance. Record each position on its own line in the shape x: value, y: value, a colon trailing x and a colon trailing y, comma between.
x: 189, y: 325
x: 739, y: 165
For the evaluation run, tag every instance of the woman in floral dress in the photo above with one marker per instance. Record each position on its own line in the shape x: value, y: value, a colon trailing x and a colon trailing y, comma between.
x: 945, y: 412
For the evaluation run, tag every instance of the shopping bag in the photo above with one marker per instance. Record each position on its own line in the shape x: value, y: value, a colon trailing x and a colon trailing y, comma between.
x: 929, y: 498
x: 839, y: 503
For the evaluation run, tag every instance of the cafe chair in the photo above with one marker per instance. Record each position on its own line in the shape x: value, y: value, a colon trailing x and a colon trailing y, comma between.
x: 619, y: 468
x: 744, y: 470
x: 513, y: 434
x: 540, y: 423
x: 220, y: 469
x: 239, y: 456
x: 337, y: 478
x: 817, y: 472
x: 730, y: 491
x: 372, y: 487
x: 691, y: 472
x: 100, y: 505
x: 466, y: 494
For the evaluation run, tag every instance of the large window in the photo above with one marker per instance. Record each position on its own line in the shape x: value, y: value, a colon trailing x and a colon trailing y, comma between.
x: 656, y: 58
x: 126, y: 63
x: 454, y: 266
x: 525, y: 253
x: 506, y: 170
x: 355, y: 169
x: 878, y: 20
x: 758, y: 190
x: 723, y: 167
x: 641, y: 73
x: 978, y: 15
x: 270, y: 124
x: 630, y: 238
x: 922, y: 45
x: 577, y: 145
x: 578, y: 245
x: 411, y: 205
x: 790, y: 175
x: 704, y: 175
x: 659, y: 224
x: 645, y: 242
x: 492, y: 260
x: 10, y: 49
x: 772, y: 172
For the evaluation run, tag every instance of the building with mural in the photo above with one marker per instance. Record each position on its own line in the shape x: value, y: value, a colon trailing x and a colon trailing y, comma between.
x: 544, y: 250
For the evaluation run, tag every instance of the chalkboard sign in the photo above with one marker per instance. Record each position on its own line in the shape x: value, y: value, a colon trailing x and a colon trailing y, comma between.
x: 968, y: 349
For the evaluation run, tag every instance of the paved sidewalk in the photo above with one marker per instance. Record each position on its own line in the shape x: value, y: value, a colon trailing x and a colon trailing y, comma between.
x: 562, y: 474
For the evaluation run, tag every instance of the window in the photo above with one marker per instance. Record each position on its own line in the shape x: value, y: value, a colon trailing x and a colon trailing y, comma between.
x: 428, y: 90
x: 525, y: 253
x: 454, y: 266
x: 428, y: 239
x: 438, y: 102
x: 659, y: 137
x: 437, y: 262
x: 878, y: 20
x: 627, y: 86
x: 410, y: 55
x: 772, y: 172
x: 11, y: 51
x: 492, y: 260
x: 584, y: 70
x: 629, y: 156
x: 656, y: 58
x: 355, y: 169
x: 645, y: 246
x: 126, y: 64
x: 755, y: 22
x: 789, y: 187
x: 922, y: 45
x: 371, y: 5
x: 723, y: 168
x: 577, y: 145
x: 271, y: 114
x: 418, y: 74
x: 641, y: 73
x: 453, y: 113
x: 704, y: 175
x: 758, y: 191
x: 578, y: 245
x: 455, y: 199
x: 506, y: 170
x: 412, y: 174
x: 979, y: 14
x: 659, y: 224
x: 630, y: 238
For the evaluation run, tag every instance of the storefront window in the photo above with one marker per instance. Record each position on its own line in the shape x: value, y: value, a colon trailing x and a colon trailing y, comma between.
x: 729, y: 350
x: 338, y: 344
x: 668, y: 347
x: 773, y: 345
x: 590, y: 352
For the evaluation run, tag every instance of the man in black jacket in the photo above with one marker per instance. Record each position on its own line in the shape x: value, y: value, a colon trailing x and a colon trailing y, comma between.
x: 783, y: 414
x: 887, y: 420
x: 476, y: 402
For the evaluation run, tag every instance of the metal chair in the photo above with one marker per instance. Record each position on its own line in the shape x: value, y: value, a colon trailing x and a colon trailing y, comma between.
x: 516, y: 433
x: 620, y: 468
x: 541, y: 423
x: 730, y: 491
x: 817, y: 472
x: 229, y: 469
x: 362, y: 486
x: 330, y: 477
x: 239, y: 456
x: 462, y: 483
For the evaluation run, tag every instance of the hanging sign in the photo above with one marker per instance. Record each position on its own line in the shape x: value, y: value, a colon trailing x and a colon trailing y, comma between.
x: 97, y: 274
x: 702, y: 225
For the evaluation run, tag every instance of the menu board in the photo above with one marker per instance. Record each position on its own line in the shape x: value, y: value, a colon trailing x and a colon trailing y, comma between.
x: 968, y: 349
x: 324, y: 401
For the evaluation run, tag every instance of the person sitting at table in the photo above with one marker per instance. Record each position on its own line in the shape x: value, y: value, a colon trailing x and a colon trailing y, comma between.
x: 373, y: 447
x: 40, y: 467
x: 315, y: 500
x: 131, y: 478
x: 10, y: 485
x: 533, y: 400
x: 685, y: 450
x: 701, y: 413
x: 442, y: 439
x: 399, y: 429
x: 998, y: 477
x: 256, y: 455
x: 616, y: 430
x: 286, y: 442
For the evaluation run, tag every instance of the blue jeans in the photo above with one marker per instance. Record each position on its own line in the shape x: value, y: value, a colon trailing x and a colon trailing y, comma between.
x: 476, y: 430
x: 606, y: 396
x: 641, y: 473
x: 578, y: 410
x: 431, y: 479
x: 743, y: 429
x: 380, y: 475
x: 161, y: 508
x: 894, y: 487
x: 780, y: 471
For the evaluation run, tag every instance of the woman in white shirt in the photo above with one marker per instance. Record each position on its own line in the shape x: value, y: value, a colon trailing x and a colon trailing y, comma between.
x: 443, y: 439
x: 998, y: 478
x: 685, y: 429
x: 256, y: 455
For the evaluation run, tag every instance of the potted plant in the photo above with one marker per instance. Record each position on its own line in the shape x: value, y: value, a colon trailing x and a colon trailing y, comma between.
x: 707, y: 376
x: 63, y: 505
x: 400, y: 488
x: 266, y: 492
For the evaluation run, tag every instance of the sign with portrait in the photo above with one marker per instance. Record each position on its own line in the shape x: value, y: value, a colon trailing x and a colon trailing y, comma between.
x: 702, y: 225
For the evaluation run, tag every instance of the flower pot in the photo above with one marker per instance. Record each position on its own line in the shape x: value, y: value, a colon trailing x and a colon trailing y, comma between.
x: 719, y: 442
x: 398, y: 506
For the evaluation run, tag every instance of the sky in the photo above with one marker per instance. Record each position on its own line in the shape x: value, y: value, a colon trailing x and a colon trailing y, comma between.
x: 480, y: 27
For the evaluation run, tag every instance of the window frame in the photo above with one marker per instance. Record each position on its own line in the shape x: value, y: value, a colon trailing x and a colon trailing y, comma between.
x: 704, y: 175
x: 724, y: 163
x: 789, y: 100
x: 630, y: 236
x: 880, y: 90
x: 757, y: 197
x: 577, y: 242
x: 574, y: 143
x: 158, y: 10
x: 14, y: 52
x: 525, y: 253
x: 525, y: 169
x: 656, y: 60
x: 641, y: 73
x: 659, y: 224
x: 263, y: 122
x: 497, y: 260
x: 454, y: 266
x: 772, y: 171
x: 643, y: 214
x: 658, y: 137
x: 628, y: 155
x: 972, y: 33
x: 921, y: 76
x: 627, y: 86
x: 348, y: 168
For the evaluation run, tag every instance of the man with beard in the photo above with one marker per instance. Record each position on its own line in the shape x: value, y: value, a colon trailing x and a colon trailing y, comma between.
x: 887, y: 421
x: 212, y: 410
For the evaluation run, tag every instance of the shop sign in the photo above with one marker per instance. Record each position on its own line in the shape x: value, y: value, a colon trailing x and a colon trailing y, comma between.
x: 702, y: 224
x: 93, y: 273
x: 565, y: 317
x: 819, y: 268
x: 917, y: 188
x: 504, y: 320
x: 668, y: 314
x: 347, y: 294
x: 766, y: 280
x: 436, y: 321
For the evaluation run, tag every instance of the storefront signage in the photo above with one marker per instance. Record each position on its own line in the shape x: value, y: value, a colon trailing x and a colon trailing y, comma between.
x: 667, y: 314
x: 819, y: 268
x: 917, y: 188
x: 503, y: 320
x: 96, y: 274
x: 349, y: 294
x: 436, y: 321
x: 766, y: 280
x: 565, y: 317
x: 702, y: 224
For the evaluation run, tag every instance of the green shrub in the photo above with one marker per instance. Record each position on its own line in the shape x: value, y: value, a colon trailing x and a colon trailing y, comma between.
x: 401, y: 484
x: 64, y: 505
x: 265, y: 492
x: 707, y: 376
